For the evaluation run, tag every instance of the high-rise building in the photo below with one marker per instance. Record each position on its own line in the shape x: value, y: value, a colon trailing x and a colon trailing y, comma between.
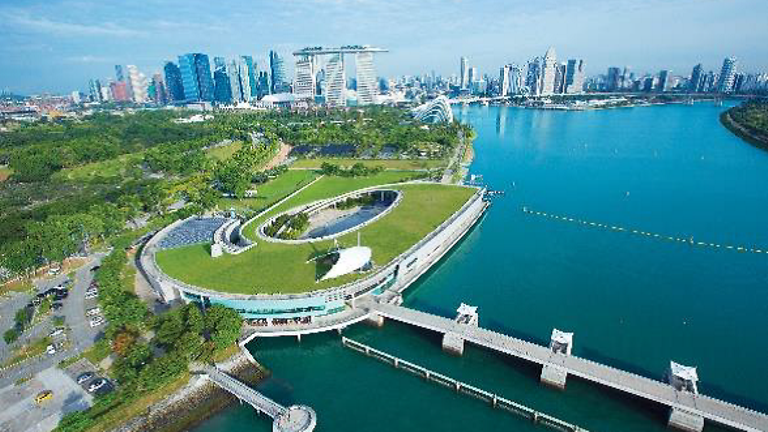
x: 560, y: 74
x: 366, y: 78
x: 304, y: 84
x: 727, y: 75
x: 277, y: 69
x: 196, y: 77
x: 516, y: 82
x: 504, y: 80
x: 464, y: 73
x: 94, y: 90
x: 219, y: 62
x: 613, y: 79
x: 173, y: 84
x: 160, y: 95
x: 696, y: 82
x: 106, y: 93
x: 250, y: 69
x: 663, y: 83
x: 120, y: 91
x: 222, y: 88
x: 574, y: 78
x: 548, y: 72
x: 335, y: 81
x: 533, y: 77
x: 119, y: 73
x: 472, y: 77
x: 138, y: 84
x: 262, y: 85
x: 648, y: 84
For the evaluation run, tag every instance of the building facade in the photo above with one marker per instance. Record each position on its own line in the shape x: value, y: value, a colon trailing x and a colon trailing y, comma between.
x: 727, y: 75
x: 196, y: 77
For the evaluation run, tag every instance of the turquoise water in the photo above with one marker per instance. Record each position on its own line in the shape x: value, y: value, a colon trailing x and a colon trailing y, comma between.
x: 633, y: 302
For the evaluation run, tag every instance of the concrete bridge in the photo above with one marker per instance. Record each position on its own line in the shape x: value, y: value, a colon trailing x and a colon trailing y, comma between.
x: 296, y: 418
x: 688, y: 409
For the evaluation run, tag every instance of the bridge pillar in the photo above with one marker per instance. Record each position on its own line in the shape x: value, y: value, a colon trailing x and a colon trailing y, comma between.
x: 453, y: 343
x: 375, y: 320
x: 685, y: 420
x: 561, y: 344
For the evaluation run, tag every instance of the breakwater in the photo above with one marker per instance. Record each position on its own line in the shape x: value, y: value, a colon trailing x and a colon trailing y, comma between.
x: 495, y: 400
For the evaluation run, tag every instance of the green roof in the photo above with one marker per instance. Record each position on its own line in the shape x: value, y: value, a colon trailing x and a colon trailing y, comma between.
x: 271, y: 268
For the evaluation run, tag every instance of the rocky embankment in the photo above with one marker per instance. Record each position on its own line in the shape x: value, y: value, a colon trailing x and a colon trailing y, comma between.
x: 195, y: 402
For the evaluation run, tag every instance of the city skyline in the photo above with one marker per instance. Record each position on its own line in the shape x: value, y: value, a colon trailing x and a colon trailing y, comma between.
x: 57, y: 46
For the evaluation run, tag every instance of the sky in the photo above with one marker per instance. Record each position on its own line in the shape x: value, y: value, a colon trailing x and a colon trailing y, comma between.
x: 58, y: 45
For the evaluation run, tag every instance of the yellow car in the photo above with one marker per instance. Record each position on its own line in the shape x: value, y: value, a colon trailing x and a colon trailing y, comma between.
x: 43, y: 396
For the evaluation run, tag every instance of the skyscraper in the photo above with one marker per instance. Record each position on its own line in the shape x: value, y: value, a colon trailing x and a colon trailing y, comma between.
x: 196, y: 77
x: 277, y: 69
x: 304, y: 83
x: 138, y: 84
x: 574, y: 79
x: 250, y: 67
x: 533, y: 77
x: 472, y: 76
x: 160, y: 96
x: 697, y: 79
x: 173, y: 84
x: 504, y: 81
x: 516, y: 82
x: 613, y: 79
x: 727, y: 75
x: 120, y: 91
x: 119, y: 73
x: 548, y: 72
x: 222, y: 89
x: 661, y: 85
x: 366, y: 78
x: 464, y: 73
x: 335, y: 83
x: 560, y: 74
x: 94, y: 90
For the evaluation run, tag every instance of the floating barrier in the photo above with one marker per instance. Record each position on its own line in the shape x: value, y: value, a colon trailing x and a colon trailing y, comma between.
x: 685, y: 240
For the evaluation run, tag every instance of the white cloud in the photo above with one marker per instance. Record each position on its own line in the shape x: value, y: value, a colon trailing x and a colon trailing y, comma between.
x: 24, y: 21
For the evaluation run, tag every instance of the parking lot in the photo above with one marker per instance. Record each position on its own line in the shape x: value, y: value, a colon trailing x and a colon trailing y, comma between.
x: 21, y: 413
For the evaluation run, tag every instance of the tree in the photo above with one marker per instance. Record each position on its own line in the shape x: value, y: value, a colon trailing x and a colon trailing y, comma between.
x: 223, y: 325
x: 10, y: 336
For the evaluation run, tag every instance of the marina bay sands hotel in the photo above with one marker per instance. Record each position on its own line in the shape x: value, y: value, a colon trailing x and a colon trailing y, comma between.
x: 307, y: 67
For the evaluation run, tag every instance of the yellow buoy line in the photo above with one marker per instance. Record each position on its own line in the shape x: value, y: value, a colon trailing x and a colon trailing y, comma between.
x: 689, y: 241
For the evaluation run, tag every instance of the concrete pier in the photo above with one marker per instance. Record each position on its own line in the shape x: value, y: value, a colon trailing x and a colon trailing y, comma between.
x: 553, y: 376
x: 453, y: 343
x: 561, y: 344
x: 375, y: 320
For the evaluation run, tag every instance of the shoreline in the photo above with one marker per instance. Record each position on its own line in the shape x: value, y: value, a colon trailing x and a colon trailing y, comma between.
x: 197, y: 401
x: 759, y: 141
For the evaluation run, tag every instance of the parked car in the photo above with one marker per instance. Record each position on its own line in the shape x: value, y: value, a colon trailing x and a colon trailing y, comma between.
x: 53, y: 271
x: 97, y: 321
x: 50, y: 349
x: 56, y: 306
x: 55, y: 332
x: 85, y: 376
x: 94, y: 268
x: 36, y: 301
x: 43, y: 396
x: 91, y: 295
x: 97, y: 384
x: 92, y: 311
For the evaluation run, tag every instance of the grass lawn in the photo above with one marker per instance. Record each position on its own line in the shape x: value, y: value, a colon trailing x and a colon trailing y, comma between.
x: 272, y: 268
x: 5, y: 172
x: 272, y: 191
x: 116, y: 167
x: 32, y: 349
x: 224, y: 152
x: 21, y: 285
x: 399, y: 164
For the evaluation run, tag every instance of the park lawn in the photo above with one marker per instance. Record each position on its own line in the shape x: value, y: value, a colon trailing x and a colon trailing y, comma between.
x: 21, y: 285
x: 32, y: 349
x: 5, y: 172
x: 271, y: 268
x: 397, y: 164
x: 110, y: 168
x: 272, y: 191
x: 224, y: 152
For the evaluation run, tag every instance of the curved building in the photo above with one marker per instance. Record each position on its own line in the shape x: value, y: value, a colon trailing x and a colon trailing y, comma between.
x: 337, y: 271
x: 438, y: 110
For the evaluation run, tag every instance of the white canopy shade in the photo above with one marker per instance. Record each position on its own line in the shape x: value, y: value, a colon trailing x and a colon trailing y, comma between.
x: 350, y: 259
x: 687, y: 373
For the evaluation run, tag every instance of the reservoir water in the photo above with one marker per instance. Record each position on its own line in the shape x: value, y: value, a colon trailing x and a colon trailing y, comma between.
x: 634, y: 302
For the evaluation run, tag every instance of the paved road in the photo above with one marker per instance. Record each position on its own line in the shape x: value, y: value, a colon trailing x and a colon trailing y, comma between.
x: 456, y: 158
x: 81, y: 335
x: 20, y: 412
